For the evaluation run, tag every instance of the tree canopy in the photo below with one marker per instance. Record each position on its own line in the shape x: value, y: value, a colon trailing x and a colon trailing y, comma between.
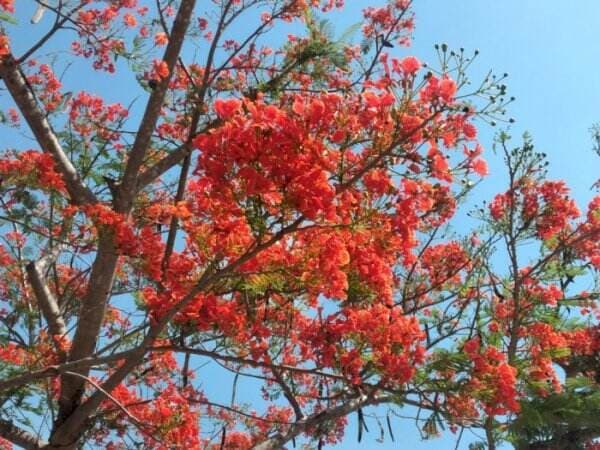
x: 272, y: 209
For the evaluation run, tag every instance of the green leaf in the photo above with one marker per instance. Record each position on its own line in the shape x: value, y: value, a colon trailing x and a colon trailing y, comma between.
x: 349, y: 32
x: 477, y: 446
x: 5, y: 17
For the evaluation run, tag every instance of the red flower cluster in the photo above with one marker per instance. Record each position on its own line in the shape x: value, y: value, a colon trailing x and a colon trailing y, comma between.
x: 493, y: 380
x: 12, y: 354
x: 89, y: 116
x: 546, y: 204
x: 31, y: 168
x: 8, y: 5
x: 47, y: 86
x: 383, y: 20
x: 168, y: 421
x: 4, y: 45
x: 98, y: 28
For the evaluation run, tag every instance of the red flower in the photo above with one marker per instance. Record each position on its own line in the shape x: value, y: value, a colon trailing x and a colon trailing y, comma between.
x: 129, y: 20
x: 4, y: 45
x: 225, y: 108
x: 480, y: 167
x: 7, y: 5
x: 160, y: 69
x: 161, y: 39
x: 410, y: 65
x: 447, y: 89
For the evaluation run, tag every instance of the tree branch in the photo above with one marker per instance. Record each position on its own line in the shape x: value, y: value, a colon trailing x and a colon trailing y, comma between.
x: 47, y: 301
x: 138, y: 424
x: 279, y: 440
x: 59, y: 22
x: 52, y: 371
x: 143, y: 137
x: 93, y: 308
x: 67, y: 431
x: 247, y: 362
x: 289, y: 395
x: 176, y: 156
x: 19, y: 436
x: 24, y: 98
x: 91, y: 315
x: 164, y: 165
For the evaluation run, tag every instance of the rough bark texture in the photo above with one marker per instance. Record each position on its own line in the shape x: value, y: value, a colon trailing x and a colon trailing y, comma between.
x: 20, y: 437
x: 47, y: 302
x: 94, y: 305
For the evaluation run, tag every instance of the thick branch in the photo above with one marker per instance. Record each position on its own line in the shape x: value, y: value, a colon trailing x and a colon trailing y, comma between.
x: 68, y: 431
x: 47, y: 301
x: 164, y: 165
x: 19, y: 436
x: 28, y: 106
x: 152, y: 113
x: 55, y: 370
x: 289, y: 395
x: 91, y: 315
x: 94, y: 305
x: 279, y: 440
x: 176, y: 156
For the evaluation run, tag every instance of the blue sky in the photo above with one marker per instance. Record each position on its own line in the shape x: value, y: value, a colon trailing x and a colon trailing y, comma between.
x: 552, y: 53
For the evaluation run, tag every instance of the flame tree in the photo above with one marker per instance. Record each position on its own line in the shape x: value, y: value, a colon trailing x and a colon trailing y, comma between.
x: 277, y: 210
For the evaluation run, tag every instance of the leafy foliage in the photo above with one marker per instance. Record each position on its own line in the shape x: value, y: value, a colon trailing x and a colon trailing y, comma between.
x: 277, y: 219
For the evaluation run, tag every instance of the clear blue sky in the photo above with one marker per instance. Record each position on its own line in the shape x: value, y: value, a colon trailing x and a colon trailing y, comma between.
x: 550, y: 48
